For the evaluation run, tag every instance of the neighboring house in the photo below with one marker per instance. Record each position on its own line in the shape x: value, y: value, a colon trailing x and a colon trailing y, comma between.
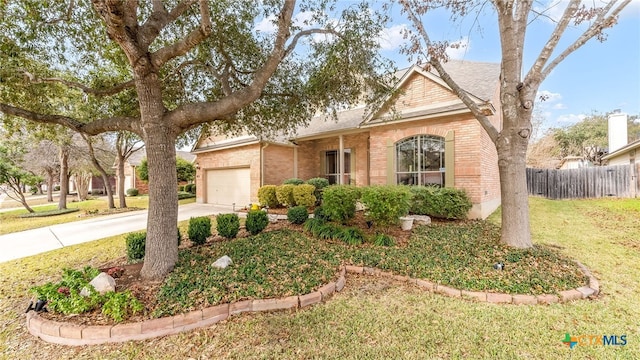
x: 573, y: 162
x: 625, y: 155
x: 431, y: 138
x: 131, y: 178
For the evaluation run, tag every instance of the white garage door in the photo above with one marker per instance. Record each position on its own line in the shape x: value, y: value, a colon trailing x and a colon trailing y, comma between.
x: 229, y: 186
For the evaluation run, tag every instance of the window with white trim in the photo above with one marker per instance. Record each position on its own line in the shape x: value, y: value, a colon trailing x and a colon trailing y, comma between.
x: 420, y: 160
x: 332, y: 166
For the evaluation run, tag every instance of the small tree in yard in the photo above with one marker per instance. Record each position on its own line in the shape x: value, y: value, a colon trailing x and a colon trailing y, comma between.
x: 518, y: 87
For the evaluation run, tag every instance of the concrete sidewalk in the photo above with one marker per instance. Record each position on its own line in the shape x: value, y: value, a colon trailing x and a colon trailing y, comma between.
x: 36, y: 241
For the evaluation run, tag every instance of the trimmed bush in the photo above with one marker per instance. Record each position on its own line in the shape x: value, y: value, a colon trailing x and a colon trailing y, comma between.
x: 293, y: 181
x: 297, y: 215
x: 318, y: 213
x: 199, y: 229
x: 257, y: 220
x: 386, y: 203
x: 132, y: 192
x: 181, y: 188
x: 193, y: 188
x: 303, y: 195
x: 383, y: 240
x: 228, y: 225
x: 185, y: 195
x: 284, y: 193
x: 445, y: 203
x: 267, y: 196
x: 135, y: 245
x: 319, y: 184
x: 339, y: 202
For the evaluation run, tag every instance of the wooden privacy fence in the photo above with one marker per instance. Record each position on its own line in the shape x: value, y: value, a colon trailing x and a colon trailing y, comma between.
x: 591, y: 182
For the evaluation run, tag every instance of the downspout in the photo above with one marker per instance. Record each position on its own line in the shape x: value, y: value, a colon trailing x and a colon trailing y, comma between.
x: 341, y: 160
x: 295, y: 162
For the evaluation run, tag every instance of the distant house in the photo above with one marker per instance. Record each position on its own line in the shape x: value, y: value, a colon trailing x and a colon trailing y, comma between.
x: 432, y: 138
x: 573, y: 162
x: 131, y: 178
x: 625, y: 155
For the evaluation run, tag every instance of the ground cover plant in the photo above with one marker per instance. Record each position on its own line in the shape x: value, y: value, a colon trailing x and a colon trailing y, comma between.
x: 379, y: 318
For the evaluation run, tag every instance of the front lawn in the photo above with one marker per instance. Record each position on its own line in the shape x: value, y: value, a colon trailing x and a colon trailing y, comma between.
x: 12, y: 221
x: 380, y: 318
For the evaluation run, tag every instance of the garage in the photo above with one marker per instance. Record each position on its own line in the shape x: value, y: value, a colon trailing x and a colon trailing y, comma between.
x: 229, y: 186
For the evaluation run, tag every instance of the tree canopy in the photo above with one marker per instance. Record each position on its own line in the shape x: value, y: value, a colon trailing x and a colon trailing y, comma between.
x: 185, y: 170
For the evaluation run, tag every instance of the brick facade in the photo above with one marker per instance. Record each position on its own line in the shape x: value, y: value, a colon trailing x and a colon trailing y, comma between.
x: 475, y: 164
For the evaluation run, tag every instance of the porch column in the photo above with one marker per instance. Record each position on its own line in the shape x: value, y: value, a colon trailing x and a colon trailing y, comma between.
x: 341, y: 161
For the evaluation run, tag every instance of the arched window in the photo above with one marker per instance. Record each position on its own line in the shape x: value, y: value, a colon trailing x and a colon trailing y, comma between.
x: 420, y: 160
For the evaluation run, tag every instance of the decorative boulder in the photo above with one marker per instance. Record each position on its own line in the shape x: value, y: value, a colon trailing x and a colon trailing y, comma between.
x: 222, y: 262
x: 421, y: 219
x: 102, y: 283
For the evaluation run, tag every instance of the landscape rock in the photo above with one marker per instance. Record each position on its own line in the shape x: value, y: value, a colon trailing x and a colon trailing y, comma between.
x: 421, y: 219
x: 103, y: 283
x: 222, y: 262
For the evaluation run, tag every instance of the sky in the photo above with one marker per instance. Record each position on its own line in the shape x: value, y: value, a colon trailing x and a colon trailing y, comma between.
x: 598, y: 77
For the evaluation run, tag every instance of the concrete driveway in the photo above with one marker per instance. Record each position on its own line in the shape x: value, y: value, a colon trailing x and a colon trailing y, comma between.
x: 36, y: 241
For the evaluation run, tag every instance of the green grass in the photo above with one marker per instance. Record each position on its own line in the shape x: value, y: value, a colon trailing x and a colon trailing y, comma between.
x: 379, y: 319
x: 12, y: 221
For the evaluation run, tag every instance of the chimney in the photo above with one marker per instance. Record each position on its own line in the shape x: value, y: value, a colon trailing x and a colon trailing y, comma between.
x: 617, y: 130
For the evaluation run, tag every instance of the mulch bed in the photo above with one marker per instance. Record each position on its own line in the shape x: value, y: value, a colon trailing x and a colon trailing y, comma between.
x: 145, y: 290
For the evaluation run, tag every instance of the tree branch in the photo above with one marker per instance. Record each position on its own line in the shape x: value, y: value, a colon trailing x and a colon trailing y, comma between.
x: 159, y: 19
x: 308, y: 32
x: 602, y: 22
x: 551, y: 44
x: 72, y: 84
x: 65, y: 17
x: 182, y: 46
x: 462, y: 95
x: 189, y: 115
x: 93, y: 128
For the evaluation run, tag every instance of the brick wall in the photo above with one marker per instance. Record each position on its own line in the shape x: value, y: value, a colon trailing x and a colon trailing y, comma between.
x: 420, y: 91
x: 310, y: 156
x: 278, y: 164
x: 229, y: 158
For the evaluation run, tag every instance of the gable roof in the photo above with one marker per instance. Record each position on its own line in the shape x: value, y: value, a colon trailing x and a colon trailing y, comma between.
x: 630, y: 146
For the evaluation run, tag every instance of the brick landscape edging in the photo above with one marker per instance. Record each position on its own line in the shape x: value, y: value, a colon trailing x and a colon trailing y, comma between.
x: 76, y: 335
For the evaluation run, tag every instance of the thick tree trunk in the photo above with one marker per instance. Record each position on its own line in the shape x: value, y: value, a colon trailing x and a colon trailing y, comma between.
x: 120, y: 186
x: 512, y: 167
x: 161, y: 248
x: 64, y: 177
x: 103, y: 174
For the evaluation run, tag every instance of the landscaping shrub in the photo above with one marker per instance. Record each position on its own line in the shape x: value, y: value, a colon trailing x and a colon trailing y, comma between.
x: 135, y: 245
x: 181, y: 188
x: 328, y: 231
x: 179, y: 237
x: 193, y: 188
x: 297, y: 215
x: 132, y: 192
x: 319, y: 184
x: 185, y: 195
x: 303, y: 195
x: 351, y: 236
x: 120, y: 306
x: 383, y: 240
x: 312, y: 225
x: 267, y: 196
x: 284, y: 193
x: 320, y: 214
x: 339, y: 202
x: 257, y: 220
x: 56, y: 188
x: 446, y: 203
x: 228, y: 225
x: 386, y: 203
x: 293, y: 181
x: 199, y: 229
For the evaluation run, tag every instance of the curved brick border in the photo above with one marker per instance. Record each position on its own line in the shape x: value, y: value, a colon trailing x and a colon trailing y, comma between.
x: 71, y: 334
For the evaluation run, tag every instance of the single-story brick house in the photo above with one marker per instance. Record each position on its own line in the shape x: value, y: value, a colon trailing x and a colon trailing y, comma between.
x: 430, y: 137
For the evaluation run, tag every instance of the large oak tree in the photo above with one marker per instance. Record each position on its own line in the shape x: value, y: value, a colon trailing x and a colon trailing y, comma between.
x: 518, y: 86
x: 186, y: 63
